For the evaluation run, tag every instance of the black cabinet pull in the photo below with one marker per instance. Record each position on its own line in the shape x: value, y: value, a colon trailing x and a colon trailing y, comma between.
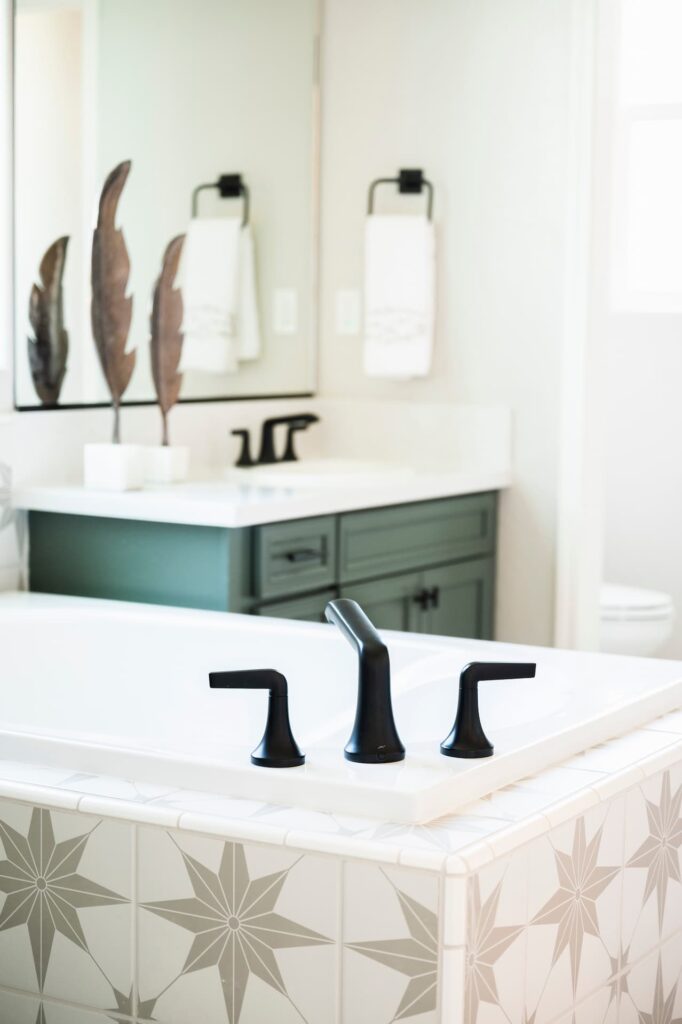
x: 303, y: 555
x: 428, y: 598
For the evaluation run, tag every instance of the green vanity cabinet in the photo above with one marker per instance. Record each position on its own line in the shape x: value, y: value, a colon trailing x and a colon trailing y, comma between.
x: 132, y: 560
x: 309, y: 608
x: 425, y: 567
x: 391, y: 603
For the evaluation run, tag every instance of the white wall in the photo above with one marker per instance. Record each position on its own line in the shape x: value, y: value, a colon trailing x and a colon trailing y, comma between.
x: 477, y: 93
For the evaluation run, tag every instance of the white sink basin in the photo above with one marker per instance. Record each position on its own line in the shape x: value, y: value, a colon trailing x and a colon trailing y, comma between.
x: 313, y: 473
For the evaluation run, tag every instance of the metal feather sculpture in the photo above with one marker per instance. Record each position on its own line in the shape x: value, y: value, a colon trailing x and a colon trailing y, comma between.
x: 111, y: 308
x: 166, y: 332
x: 48, y: 349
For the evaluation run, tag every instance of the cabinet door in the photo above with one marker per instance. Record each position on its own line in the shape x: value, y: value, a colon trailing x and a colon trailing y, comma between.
x: 306, y: 609
x: 462, y: 599
x: 391, y: 603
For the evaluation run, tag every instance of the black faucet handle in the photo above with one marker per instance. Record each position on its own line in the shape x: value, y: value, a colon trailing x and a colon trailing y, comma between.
x: 298, y: 423
x: 277, y: 748
x: 244, y: 460
x: 467, y: 738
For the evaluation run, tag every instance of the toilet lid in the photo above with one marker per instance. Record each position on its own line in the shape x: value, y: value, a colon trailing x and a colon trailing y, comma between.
x: 634, y: 603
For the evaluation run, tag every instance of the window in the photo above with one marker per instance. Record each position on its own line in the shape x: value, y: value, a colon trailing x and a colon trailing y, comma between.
x: 647, y: 215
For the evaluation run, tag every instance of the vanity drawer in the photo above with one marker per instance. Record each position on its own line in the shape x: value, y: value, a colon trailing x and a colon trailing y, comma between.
x: 293, y: 557
x: 389, y: 540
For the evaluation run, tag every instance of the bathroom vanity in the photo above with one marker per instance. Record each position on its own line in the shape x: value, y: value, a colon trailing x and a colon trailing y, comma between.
x: 421, y: 560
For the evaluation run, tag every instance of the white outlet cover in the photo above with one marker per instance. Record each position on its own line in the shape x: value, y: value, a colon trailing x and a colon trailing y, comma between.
x: 285, y: 311
x: 347, y: 312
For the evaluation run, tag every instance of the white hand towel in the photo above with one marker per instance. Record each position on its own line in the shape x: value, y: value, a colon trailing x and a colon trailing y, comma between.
x: 209, y: 279
x: 400, y: 272
x: 248, y: 324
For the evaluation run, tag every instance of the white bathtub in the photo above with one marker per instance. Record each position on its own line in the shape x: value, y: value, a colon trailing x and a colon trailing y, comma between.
x: 121, y: 689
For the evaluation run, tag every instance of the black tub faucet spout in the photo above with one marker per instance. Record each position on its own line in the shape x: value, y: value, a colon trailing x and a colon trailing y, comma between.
x: 374, y: 739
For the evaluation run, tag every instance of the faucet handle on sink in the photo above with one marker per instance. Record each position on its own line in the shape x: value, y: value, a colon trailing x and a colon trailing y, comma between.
x: 297, y: 423
x: 467, y: 738
x: 278, y: 748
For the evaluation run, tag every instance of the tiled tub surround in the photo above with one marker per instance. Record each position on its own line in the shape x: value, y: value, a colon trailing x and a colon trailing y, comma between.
x: 556, y: 899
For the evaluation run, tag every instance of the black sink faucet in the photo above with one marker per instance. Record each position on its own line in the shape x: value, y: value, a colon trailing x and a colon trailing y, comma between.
x: 374, y: 739
x: 268, y: 455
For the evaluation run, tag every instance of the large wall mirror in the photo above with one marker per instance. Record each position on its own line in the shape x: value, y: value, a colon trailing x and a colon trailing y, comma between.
x: 123, y: 110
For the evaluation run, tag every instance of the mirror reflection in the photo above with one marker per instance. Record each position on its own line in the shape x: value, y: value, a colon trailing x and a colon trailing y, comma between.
x: 165, y: 186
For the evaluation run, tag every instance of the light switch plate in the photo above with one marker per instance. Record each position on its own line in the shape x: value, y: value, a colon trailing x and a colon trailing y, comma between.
x: 285, y: 311
x: 347, y: 311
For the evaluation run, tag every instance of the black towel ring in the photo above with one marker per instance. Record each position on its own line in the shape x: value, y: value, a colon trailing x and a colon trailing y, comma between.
x: 230, y: 186
x: 409, y: 182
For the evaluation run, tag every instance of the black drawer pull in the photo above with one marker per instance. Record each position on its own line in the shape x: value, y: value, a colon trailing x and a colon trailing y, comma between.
x: 303, y: 555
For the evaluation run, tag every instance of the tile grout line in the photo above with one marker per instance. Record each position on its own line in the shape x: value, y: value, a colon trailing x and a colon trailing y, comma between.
x: 486, y: 842
x: 340, y: 932
x: 621, y: 903
x: 526, y: 926
x: 56, y: 1001
x: 442, y: 910
x: 134, y: 938
x: 441, y: 946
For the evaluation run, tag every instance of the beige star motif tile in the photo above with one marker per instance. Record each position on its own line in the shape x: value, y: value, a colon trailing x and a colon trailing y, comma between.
x: 655, y: 987
x: 65, y: 884
x: 652, y: 907
x: 233, y: 933
x: 391, y: 940
x: 496, y: 943
x: 574, y: 910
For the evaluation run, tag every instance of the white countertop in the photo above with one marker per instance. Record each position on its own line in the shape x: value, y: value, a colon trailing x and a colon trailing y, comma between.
x: 225, y: 504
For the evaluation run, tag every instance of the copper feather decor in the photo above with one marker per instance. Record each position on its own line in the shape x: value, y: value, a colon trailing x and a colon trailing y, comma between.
x: 166, y: 332
x: 111, y: 308
x: 48, y: 349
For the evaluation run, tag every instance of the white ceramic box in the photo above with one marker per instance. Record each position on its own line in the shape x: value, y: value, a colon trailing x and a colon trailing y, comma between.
x: 113, y: 467
x: 166, y: 464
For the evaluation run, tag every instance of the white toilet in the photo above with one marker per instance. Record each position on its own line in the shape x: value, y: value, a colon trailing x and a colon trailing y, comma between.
x: 633, y: 621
